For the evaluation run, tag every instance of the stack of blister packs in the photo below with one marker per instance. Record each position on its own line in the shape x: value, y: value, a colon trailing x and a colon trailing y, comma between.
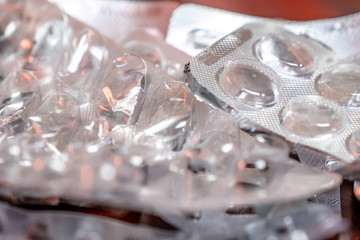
x: 175, y: 122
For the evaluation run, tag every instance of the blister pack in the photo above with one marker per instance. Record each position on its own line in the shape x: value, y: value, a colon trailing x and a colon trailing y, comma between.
x: 287, y: 83
x: 87, y: 121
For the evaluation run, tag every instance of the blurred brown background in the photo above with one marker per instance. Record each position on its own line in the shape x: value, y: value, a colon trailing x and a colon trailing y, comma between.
x: 288, y: 9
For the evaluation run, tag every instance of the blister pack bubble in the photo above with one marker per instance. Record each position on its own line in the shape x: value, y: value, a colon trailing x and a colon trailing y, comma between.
x: 285, y: 82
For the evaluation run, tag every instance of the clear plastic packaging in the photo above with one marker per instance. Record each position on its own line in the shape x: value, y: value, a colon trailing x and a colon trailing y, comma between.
x: 273, y: 77
x: 128, y: 135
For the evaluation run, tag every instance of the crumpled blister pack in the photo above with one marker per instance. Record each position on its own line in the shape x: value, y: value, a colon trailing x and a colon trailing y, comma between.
x: 92, y: 121
x: 98, y: 100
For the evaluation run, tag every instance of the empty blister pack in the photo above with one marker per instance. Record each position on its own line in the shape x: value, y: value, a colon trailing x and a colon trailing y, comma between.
x: 288, y: 83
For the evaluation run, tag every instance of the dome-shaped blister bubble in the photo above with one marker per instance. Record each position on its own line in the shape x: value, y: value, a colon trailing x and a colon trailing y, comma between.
x: 286, y: 54
x: 121, y: 95
x: 246, y: 81
x: 166, y: 121
x: 56, y: 119
x: 312, y: 116
x: 202, y: 38
x: 147, y: 51
x: 82, y: 63
x: 27, y: 162
x: 341, y: 83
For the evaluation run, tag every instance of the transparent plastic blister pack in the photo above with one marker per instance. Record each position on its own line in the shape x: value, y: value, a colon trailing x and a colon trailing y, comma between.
x: 284, y: 82
x: 192, y: 33
x: 91, y: 122
x: 157, y: 168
